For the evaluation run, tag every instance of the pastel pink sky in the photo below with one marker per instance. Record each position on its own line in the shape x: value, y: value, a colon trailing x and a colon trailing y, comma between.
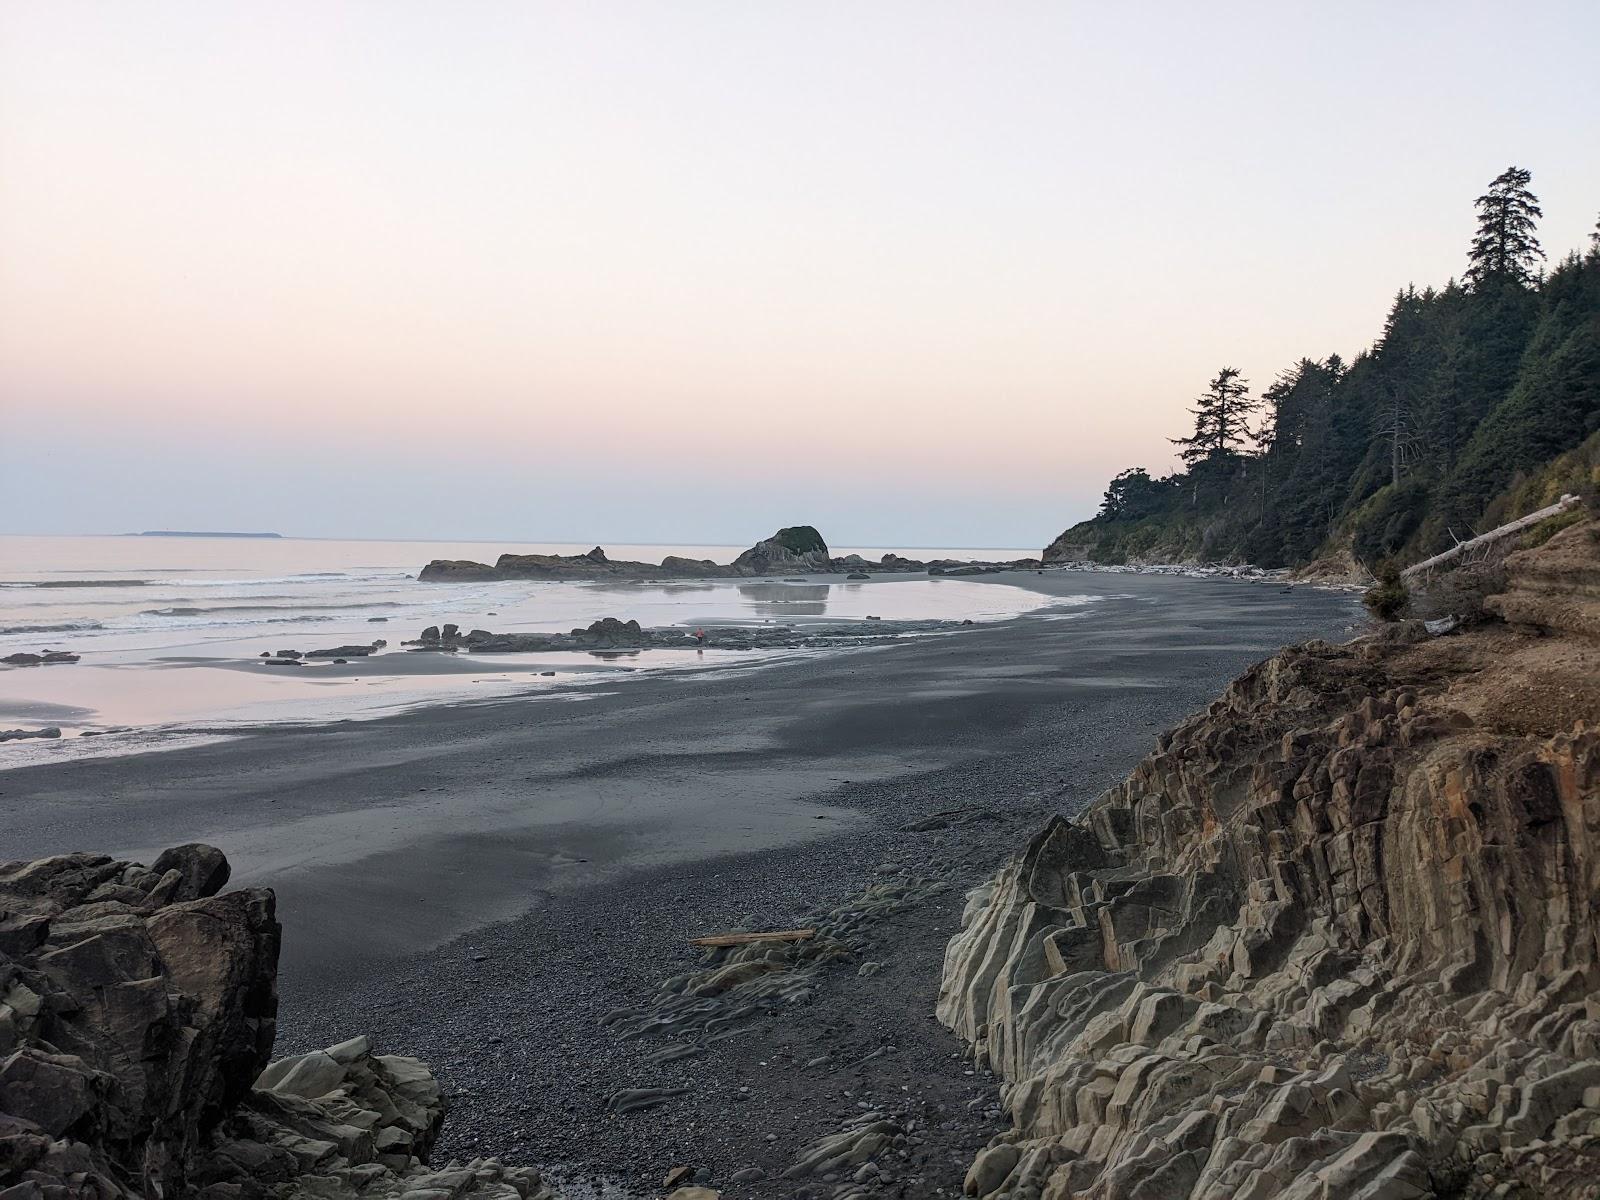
x: 919, y: 273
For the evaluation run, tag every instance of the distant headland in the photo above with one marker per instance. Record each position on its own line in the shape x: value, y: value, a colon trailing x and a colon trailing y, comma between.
x: 228, y: 533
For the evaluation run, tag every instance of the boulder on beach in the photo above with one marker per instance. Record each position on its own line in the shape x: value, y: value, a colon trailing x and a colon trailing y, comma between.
x: 609, y: 631
x: 45, y: 658
x: 138, y: 1008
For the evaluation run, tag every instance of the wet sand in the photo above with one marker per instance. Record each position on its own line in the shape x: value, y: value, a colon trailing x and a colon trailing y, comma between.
x: 575, y: 843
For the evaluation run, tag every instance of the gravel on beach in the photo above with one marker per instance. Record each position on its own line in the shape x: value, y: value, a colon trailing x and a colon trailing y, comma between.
x: 924, y: 762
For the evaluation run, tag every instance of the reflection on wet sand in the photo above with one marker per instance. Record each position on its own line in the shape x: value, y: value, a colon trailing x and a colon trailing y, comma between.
x: 786, y: 599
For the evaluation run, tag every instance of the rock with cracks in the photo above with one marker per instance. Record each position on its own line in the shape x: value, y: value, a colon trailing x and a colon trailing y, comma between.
x: 1338, y: 936
x: 137, y: 1012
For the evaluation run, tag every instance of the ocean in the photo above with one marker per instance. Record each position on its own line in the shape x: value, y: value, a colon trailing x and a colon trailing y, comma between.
x: 170, y: 630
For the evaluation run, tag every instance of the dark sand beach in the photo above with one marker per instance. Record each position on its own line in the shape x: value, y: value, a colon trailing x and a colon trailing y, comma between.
x: 480, y: 884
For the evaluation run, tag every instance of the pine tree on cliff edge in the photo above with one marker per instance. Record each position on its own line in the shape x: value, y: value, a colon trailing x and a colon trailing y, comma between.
x: 1221, y: 430
x: 1504, y: 247
x: 1220, y: 420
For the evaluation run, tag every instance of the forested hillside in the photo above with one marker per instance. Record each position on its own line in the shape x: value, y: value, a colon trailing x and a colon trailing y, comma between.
x: 1480, y: 401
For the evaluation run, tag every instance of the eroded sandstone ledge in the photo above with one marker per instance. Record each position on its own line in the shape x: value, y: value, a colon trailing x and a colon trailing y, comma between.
x: 1336, y: 937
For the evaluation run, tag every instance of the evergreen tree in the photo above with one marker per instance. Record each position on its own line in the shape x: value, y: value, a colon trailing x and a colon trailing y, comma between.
x: 1132, y: 495
x: 1451, y: 422
x: 1221, y: 420
x: 1504, y: 247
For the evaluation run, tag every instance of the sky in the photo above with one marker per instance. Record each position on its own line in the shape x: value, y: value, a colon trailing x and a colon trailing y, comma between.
x: 918, y: 273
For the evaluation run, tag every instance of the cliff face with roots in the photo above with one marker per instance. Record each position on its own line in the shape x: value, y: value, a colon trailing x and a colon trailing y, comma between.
x: 1337, y: 936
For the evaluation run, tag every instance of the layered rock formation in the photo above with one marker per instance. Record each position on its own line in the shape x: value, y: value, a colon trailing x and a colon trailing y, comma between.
x: 1336, y: 937
x: 1556, y: 586
x: 137, y: 1014
x: 797, y: 548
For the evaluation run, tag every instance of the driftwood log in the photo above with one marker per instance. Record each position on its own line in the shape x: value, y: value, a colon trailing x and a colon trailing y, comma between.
x: 1494, y: 535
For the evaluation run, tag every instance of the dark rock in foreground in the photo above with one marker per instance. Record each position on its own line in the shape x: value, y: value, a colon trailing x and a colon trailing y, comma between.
x: 137, y: 1013
x: 796, y: 548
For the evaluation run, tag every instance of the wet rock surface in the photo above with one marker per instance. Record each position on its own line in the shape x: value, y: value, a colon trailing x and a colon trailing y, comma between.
x: 1337, y: 936
x: 612, y: 633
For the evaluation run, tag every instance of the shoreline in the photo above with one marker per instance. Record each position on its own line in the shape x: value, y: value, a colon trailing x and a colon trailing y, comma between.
x: 388, y: 684
x: 575, y: 847
x: 147, y: 694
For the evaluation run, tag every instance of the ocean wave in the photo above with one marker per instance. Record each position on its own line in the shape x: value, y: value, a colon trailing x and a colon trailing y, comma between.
x: 187, y: 623
x: 72, y: 583
x: 193, y: 611
x: 317, y: 579
x: 63, y: 627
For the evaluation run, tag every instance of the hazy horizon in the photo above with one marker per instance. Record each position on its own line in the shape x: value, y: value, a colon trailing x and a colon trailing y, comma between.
x: 916, y: 274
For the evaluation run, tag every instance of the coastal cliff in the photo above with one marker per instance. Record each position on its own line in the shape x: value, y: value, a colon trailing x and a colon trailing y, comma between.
x: 1336, y: 937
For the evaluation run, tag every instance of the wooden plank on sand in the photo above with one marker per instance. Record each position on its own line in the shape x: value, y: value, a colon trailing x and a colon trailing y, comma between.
x: 744, y: 939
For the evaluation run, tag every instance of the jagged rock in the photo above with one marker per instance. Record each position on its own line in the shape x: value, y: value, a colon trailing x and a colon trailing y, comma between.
x: 202, y: 870
x: 1339, y: 935
x: 848, y: 1149
x: 796, y: 548
x: 137, y: 1013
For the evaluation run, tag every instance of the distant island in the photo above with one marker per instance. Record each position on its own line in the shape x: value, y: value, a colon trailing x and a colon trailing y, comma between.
x: 200, y: 533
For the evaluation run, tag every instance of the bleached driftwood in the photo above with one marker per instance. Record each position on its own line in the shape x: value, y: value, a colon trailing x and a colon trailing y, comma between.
x: 1494, y: 535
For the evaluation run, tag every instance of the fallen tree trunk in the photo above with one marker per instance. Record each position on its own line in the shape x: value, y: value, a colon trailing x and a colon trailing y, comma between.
x: 1494, y: 535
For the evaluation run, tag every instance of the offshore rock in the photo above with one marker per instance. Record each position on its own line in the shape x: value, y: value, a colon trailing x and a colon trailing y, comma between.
x: 795, y: 549
x: 1338, y: 936
x: 137, y: 1012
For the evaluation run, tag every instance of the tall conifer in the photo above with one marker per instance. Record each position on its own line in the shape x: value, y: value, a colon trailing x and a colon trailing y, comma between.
x: 1505, y: 248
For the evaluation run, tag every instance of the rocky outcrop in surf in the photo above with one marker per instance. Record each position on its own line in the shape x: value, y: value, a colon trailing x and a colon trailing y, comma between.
x: 1338, y: 936
x: 611, y: 634
x: 138, y: 1007
x: 795, y: 549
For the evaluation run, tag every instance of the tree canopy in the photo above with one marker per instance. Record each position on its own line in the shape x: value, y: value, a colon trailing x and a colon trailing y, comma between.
x: 1468, y: 394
